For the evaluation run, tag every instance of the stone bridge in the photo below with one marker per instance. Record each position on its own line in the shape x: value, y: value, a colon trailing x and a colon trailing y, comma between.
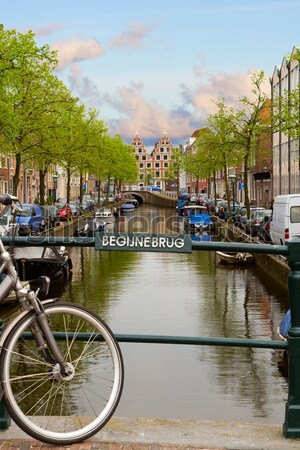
x: 153, y: 198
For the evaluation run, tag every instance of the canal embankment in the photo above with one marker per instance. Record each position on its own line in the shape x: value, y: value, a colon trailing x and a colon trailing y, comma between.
x: 274, y: 266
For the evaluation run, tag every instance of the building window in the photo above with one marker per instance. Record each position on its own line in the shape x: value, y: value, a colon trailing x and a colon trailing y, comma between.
x: 144, y: 157
x: 141, y: 177
x: 140, y: 150
x: 157, y: 173
x: 168, y: 149
x: 137, y: 157
x: 157, y: 157
x: 161, y: 149
x: 148, y: 165
x: 141, y: 165
x: 157, y: 165
x: 165, y: 156
x: 166, y: 164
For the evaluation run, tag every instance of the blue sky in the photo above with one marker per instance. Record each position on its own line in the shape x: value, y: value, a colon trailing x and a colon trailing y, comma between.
x: 157, y: 66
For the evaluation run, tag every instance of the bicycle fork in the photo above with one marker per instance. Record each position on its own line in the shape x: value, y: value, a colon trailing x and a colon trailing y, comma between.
x: 46, y: 342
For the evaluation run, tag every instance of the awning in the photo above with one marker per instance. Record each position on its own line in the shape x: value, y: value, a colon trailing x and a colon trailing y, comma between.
x: 262, y: 176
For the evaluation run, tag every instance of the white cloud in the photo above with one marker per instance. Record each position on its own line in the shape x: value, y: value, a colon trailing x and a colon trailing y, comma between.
x: 83, y: 87
x: 47, y: 30
x: 230, y: 86
x: 75, y: 50
x: 131, y: 38
x: 149, y: 117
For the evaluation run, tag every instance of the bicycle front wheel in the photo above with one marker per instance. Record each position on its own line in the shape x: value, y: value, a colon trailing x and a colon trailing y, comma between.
x: 51, y: 407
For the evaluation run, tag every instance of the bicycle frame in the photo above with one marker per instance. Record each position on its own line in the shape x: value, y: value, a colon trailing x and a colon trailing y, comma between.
x: 42, y: 332
x: 11, y: 280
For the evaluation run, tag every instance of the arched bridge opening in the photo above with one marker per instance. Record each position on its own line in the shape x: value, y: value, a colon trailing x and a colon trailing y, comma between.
x: 153, y: 198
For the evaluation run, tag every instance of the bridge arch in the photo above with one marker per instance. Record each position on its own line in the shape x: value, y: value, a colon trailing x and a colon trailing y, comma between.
x: 153, y: 198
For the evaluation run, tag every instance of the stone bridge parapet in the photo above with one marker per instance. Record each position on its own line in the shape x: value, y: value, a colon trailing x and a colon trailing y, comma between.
x: 153, y: 198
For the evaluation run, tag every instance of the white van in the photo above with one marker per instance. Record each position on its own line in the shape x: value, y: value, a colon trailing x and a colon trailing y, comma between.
x: 285, y: 222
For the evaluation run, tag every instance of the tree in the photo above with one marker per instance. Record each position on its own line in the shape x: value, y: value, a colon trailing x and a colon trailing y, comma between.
x: 220, y: 143
x: 252, y: 122
x: 176, y: 165
x: 25, y: 72
x: 205, y: 161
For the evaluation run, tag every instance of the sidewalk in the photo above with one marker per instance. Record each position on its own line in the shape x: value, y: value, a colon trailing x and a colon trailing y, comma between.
x: 164, y: 434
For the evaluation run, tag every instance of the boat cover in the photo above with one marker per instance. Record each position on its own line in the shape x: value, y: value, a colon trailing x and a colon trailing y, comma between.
x: 285, y: 324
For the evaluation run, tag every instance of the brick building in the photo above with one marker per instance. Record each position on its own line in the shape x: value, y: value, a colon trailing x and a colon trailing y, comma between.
x: 153, y: 167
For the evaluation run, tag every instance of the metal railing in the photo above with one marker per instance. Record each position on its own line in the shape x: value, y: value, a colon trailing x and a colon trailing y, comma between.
x: 291, y: 426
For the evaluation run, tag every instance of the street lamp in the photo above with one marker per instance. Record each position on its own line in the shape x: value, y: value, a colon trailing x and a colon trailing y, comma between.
x: 232, y: 178
x: 54, y: 179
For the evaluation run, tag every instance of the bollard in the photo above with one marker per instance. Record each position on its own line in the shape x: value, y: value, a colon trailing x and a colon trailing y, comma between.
x: 291, y: 426
x: 4, y: 416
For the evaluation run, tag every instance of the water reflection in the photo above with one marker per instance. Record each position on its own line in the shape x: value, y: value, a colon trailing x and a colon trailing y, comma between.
x: 179, y: 294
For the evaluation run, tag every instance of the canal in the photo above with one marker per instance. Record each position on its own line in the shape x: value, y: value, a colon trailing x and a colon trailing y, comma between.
x: 187, y: 295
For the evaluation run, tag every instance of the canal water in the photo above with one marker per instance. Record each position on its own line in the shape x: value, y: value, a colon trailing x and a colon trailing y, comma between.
x: 186, y: 295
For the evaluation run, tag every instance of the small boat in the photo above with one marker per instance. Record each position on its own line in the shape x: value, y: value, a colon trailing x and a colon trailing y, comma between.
x: 90, y: 227
x: 105, y: 214
x: 127, y: 207
x: 131, y: 201
x: 235, y: 257
x: 196, y: 217
x: 33, y: 262
x: 284, y: 326
x: 282, y: 331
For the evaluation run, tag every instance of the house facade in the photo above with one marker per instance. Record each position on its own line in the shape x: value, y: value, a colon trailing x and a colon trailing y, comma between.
x: 285, y: 150
x: 153, y: 167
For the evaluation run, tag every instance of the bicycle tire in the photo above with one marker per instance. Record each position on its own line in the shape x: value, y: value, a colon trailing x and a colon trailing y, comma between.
x: 48, y: 407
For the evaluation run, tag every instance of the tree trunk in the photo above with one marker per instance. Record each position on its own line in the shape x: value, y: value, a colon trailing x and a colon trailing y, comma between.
x: 99, y: 191
x: 247, y: 200
x: 215, y: 185
x: 16, y: 177
x: 68, y: 185
x: 108, y: 187
x: 227, y: 192
x: 42, y: 175
x: 81, y: 187
x: 197, y: 186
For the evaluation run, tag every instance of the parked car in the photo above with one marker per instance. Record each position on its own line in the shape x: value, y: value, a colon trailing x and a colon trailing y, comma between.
x: 52, y: 216
x: 76, y: 209
x: 265, y: 225
x: 252, y: 224
x: 240, y: 211
x: 156, y: 188
x: 65, y: 212
x: 243, y: 217
x: 202, y: 199
x: 31, y: 220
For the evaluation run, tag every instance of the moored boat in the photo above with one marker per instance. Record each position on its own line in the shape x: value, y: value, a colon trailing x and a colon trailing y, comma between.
x: 33, y: 262
x: 235, y: 257
x: 90, y: 227
x: 196, y: 217
x: 282, y: 330
x: 127, y: 207
x: 105, y: 214
x: 131, y: 201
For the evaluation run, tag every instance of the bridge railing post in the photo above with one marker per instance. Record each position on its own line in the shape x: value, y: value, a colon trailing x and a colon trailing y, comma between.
x: 291, y: 426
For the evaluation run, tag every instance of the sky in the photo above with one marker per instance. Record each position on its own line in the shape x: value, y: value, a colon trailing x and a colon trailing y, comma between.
x: 159, y: 66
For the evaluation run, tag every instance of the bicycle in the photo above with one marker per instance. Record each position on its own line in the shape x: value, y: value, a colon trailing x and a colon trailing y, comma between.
x: 61, y: 368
